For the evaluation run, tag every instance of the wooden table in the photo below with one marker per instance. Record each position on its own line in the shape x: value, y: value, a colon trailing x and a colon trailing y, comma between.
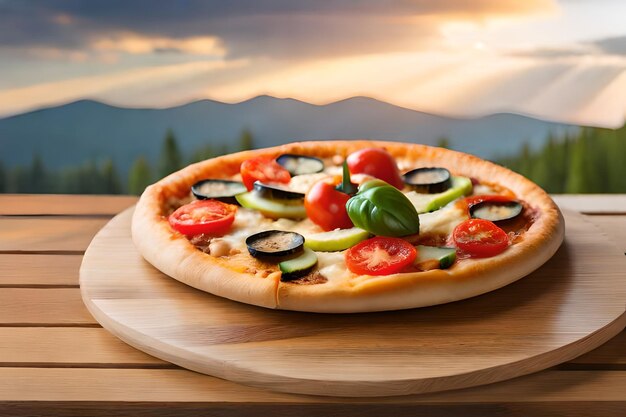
x: 56, y: 360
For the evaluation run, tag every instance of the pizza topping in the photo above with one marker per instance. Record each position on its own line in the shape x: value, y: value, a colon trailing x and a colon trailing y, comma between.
x: 425, y: 203
x: 480, y: 238
x: 276, y: 192
x: 376, y: 162
x: 300, y: 164
x: 299, y: 266
x: 312, y: 278
x: 222, y: 190
x: 496, y: 211
x: 263, y: 169
x: 383, y: 210
x: 428, y: 180
x: 203, y: 216
x: 275, y: 243
x: 335, y: 240
x: 274, y: 208
x: 430, y: 257
x: 325, y: 202
x: 380, y: 256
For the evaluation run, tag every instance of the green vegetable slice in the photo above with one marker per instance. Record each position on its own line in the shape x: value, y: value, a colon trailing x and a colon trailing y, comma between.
x: 425, y: 203
x: 272, y: 208
x: 445, y: 257
x: 297, y: 267
x: 335, y: 240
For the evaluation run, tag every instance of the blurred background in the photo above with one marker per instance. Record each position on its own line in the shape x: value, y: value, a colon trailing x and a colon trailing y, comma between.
x: 105, y: 97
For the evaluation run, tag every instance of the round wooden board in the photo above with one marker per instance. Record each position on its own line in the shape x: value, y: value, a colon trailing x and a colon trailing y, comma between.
x: 572, y: 304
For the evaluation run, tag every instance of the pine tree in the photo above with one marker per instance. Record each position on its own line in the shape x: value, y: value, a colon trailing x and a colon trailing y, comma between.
x: 443, y: 142
x: 3, y: 178
x: 37, y: 174
x: 110, y: 178
x: 170, y: 159
x: 140, y: 176
x: 202, y: 153
x: 246, y: 140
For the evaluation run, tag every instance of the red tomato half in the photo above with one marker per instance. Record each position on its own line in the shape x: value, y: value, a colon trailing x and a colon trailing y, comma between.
x: 203, y: 216
x: 380, y: 256
x: 376, y: 162
x: 326, y: 206
x: 480, y: 238
x: 263, y: 169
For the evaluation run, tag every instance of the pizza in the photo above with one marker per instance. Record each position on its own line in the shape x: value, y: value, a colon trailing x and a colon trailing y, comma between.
x: 346, y: 226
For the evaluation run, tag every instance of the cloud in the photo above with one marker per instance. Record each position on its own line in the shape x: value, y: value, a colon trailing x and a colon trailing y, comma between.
x: 136, y: 44
x: 275, y: 28
x: 613, y: 46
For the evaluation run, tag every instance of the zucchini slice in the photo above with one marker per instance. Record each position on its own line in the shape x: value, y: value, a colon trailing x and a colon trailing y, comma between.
x: 335, y: 240
x: 299, y: 266
x: 289, y: 209
x: 425, y: 203
x: 431, y: 257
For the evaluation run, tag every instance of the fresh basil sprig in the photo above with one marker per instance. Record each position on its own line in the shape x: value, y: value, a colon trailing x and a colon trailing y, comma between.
x: 383, y: 210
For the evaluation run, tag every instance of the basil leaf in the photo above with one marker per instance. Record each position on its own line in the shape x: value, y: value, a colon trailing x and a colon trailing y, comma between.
x: 383, y: 210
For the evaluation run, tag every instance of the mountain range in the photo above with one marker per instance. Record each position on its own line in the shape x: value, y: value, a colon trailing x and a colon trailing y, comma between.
x: 71, y: 134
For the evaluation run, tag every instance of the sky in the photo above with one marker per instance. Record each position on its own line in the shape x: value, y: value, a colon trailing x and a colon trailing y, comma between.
x: 561, y: 60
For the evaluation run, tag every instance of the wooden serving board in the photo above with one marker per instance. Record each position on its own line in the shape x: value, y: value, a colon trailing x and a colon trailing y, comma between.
x: 572, y: 304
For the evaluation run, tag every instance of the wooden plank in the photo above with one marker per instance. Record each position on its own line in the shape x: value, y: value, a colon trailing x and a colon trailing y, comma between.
x: 69, y: 346
x: 63, y: 204
x: 173, y: 386
x: 63, y: 346
x: 592, y: 203
x: 48, y: 234
x: 39, y: 270
x: 611, y: 355
x: 43, y: 307
x: 612, y: 226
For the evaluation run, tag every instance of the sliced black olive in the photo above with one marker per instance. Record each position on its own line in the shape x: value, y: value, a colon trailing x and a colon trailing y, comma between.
x: 275, y: 192
x: 300, y: 164
x: 496, y: 211
x: 275, y: 243
x: 428, y: 180
x: 222, y: 190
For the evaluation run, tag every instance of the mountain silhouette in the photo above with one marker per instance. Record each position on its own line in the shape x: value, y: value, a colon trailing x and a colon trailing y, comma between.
x: 70, y: 134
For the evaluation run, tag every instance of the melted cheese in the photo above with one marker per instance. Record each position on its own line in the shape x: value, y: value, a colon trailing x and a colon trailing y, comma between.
x: 442, y: 221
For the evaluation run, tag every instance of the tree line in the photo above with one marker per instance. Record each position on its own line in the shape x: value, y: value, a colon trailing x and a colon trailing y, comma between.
x: 591, y: 160
x: 103, y: 177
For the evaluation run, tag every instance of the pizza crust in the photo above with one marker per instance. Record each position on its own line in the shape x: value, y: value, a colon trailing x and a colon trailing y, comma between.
x: 174, y: 255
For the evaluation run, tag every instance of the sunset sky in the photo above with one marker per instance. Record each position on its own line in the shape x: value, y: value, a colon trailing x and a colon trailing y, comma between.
x: 561, y: 60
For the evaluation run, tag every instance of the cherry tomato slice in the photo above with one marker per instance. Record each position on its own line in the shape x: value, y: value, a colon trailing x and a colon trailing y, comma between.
x: 480, y: 238
x: 376, y: 162
x: 203, y: 216
x: 380, y: 256
x: 326, y: 206
x: 263, y: 169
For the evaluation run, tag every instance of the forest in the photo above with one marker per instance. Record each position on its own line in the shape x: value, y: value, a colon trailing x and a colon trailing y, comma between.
x: 592, y: 160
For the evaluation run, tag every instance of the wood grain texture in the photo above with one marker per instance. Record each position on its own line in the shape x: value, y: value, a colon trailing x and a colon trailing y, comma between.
x: 43, y: 307
x: 39, y: 270
x: 172, y: 386
x: 614, y: 227
x: 592, y: 203
x: 69, y: 346
x: 566, y: 308
x: 61, y: 204
x: 47, y: 234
